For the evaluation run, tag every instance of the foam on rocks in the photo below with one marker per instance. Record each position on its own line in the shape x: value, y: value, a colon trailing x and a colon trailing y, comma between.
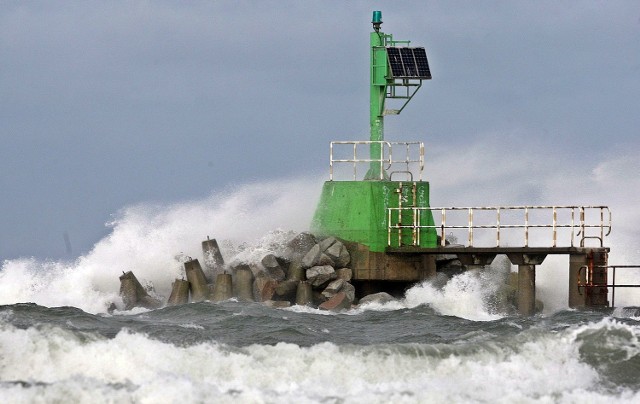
x: 306, y: 271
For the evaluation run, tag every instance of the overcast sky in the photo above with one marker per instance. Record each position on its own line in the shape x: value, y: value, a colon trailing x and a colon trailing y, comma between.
x: 108, y: 104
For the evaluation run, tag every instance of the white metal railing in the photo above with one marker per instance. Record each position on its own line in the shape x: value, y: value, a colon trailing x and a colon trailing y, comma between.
x: 395, y: 157
x: 578, y: 220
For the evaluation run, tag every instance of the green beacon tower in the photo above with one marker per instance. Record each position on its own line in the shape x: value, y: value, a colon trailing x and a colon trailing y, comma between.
x: 375, y: 197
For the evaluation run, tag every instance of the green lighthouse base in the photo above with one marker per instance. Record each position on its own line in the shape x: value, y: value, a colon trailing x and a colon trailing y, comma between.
x: 358, y: 213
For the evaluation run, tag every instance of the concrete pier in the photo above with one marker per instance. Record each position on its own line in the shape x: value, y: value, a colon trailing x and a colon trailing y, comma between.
x: 527, y: 289
x: 197, y: 281
x: 587, y: 275
x: 587, y: 270
x: 577, y: 277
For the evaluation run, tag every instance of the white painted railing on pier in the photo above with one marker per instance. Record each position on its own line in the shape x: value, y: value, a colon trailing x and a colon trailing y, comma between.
x: 574, y: 223
x: 395, y: 157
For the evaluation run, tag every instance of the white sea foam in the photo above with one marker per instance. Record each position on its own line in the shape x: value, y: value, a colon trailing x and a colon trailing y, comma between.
x: 146, y: 239
x: 541, y: 367
x: 246, y: 220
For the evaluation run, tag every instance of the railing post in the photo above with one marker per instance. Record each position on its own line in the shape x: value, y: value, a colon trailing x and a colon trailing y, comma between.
x: 555, y: 220
x: 573, y: 224
x: 443, y: 225
x: 526, y: 226
x: 389, y: 227
x: 498, y: 227
x: 470, y: 227
x: 416, y: 223
x: 331, y: 161
x: 355, y: 159
x: 601, y: 225
x: 582, y: 225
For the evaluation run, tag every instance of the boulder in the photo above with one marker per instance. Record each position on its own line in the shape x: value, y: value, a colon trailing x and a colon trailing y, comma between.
x: 264, y: 288
x: 336, y: 303
x: 382, y: 297
x: 319, y: 276
x: 339, y: 254
x: 326, y: 243
x: 333, y: 288
x: 337, y: 286
x: 286, y: 290
x: 256, y: 269
x: 317, y: 298
x: 311, y: 258
x: 300, y: 245
x: 350, y: 291
x: 273, y: 268
x: 324, y: 259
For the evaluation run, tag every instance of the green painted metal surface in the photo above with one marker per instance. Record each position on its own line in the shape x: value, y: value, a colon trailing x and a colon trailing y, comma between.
x: 357, y: 211
x: 378, y: 89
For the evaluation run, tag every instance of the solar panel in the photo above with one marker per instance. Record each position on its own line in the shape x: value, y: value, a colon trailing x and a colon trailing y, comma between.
x: 395, y: 61
x: 422, y: 64
x: 408, y: 63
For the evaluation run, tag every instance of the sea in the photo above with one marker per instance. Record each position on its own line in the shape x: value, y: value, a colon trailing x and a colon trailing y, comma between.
x: 439, y: 343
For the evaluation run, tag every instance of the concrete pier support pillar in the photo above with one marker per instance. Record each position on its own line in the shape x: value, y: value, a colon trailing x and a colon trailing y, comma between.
x: 598, y: 295
x: 588, y: 269
x: 526, y: 289
x: 243, y: 284
x: 222, y: 290
x: 179, y: 293
x: 577, y: 276
x: 197, y: 281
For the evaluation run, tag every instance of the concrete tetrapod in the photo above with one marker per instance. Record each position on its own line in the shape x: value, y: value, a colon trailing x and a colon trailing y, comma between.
x: 223, y: 288
x: 304, y: 294
x: 197, y: 281
x: 243, y: 284
x: 213, y: 260
x: 134, y: 295
x: 179, y: 293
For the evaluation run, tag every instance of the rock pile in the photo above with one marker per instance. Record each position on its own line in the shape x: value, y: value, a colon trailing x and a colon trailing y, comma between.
x: 309, y: 271
x: 321, y: 264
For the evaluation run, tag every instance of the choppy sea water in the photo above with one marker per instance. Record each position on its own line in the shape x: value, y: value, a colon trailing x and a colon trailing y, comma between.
x: 440, y: 343
x: 239, y: 352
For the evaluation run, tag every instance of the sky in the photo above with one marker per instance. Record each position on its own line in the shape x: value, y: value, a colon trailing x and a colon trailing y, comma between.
x: 106, y: 105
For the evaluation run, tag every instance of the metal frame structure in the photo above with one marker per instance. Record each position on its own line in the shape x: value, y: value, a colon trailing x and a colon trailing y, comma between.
x: 386, y: 159
x: 577, y: 227
x: 587, y: 271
